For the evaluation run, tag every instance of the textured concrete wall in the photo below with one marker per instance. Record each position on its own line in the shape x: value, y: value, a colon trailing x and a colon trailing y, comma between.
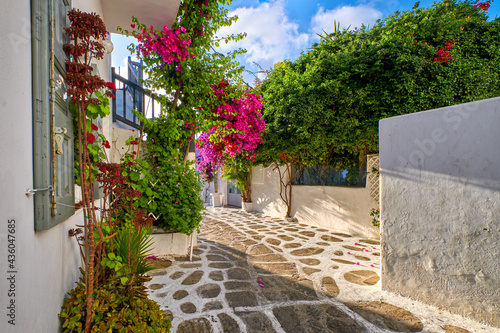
x: 440, y: 207
x: 345, y: 209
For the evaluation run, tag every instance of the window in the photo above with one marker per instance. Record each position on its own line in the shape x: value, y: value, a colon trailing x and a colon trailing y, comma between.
x: 53, y: 139
x: 231, y: 188
x: 327, y: 175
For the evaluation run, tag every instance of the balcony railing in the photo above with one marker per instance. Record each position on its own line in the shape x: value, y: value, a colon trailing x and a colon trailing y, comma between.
x: 130, y: 96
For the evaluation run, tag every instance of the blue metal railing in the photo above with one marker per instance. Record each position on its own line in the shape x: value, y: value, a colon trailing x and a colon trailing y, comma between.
x: 131, y: 96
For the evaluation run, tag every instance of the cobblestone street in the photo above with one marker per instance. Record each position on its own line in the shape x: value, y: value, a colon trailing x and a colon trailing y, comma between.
x: 256, y: 274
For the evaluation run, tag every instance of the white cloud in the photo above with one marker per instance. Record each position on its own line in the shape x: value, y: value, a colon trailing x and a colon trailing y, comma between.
x: 271, y: 36
x: 346, y: 16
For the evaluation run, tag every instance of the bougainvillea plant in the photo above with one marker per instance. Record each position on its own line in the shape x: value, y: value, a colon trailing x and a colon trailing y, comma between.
x: 233, y: 140
x: 180, y: 61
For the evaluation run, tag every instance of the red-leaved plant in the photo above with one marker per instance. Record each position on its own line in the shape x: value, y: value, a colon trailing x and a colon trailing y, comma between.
x: 86, y: 32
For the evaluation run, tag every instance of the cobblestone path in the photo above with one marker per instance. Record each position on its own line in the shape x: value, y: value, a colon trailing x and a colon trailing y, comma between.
x: 256, y: 274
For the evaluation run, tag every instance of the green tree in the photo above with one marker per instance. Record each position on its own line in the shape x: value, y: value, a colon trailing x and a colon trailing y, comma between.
x: 324, y: 107
x: 331, y: 99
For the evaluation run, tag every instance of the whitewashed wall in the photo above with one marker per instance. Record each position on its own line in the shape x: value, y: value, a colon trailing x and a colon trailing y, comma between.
x: 46, y: 263
x: 440, y: 207
x: 345, y: 209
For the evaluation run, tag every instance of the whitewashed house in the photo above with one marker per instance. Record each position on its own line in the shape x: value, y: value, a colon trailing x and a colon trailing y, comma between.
x: 38, y: 261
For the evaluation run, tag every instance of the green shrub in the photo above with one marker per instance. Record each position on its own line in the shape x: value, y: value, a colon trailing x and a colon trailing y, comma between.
x: 113, y: 312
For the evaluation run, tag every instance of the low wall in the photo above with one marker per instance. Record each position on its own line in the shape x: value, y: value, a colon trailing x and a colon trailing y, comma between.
x: 440, y: 207
x: 345, y: 209
x: 171, y: 243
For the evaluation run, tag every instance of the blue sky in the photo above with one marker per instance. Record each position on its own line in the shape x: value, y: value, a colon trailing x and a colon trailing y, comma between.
x: 281, y: 29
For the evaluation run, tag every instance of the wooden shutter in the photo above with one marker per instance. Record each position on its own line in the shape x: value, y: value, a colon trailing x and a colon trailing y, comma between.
x: 46, y: 114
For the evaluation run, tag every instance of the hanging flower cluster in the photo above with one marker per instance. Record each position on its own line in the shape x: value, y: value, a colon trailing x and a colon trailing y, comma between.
x: 238, y: 132
x: 170, y: 46
x: 209, y: 157
x: 483, y: 5
x: 243, y: 124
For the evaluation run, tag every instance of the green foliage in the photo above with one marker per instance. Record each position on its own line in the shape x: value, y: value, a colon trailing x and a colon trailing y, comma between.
x: 141, y: 244
x: 174, y: 188
x: 113, y: 312
x: 330, y: 100
x: 375, y: 213
x: 239, y: 170
x: 191, y: 85
x: 95, y: 149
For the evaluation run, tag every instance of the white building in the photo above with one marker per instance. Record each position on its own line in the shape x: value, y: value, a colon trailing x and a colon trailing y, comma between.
x: 39, y: 262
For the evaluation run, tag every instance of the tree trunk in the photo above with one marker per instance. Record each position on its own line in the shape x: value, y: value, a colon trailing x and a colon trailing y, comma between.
x: 289, y: 185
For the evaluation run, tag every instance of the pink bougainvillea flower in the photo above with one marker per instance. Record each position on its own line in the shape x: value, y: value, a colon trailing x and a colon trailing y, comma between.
x: 357, y: 263
x: 348, y: 252
x: 151, y: 257
x: 259, y: 280
x: 261, y: 285
x: 355, y: 243
x: 372, y: 265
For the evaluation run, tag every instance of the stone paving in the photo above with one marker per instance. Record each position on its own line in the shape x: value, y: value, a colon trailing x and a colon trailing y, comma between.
x: 256, y: 274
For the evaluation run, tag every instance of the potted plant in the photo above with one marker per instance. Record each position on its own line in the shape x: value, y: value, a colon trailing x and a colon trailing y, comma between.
x: 239, y: 170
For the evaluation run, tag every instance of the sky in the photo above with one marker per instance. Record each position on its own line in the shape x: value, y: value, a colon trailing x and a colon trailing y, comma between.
x: 282, y: 29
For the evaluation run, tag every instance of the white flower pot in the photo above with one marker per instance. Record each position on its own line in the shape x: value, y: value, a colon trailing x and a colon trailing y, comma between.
x: 247, y: 206
x: 216, y: 199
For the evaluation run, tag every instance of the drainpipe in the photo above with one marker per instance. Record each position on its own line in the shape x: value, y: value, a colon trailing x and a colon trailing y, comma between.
x: 52, y: 108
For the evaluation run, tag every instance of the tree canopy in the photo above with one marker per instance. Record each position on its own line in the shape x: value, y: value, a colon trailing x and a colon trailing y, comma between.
x: 325, y: 106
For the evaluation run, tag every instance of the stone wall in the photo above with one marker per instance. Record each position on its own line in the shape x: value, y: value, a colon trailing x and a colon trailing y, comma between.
x: 440, y: 207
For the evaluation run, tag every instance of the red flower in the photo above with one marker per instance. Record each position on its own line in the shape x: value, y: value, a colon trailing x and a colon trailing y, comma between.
x: 155, y: 141
x: 424, y: 43
x: 94, y: 127
x: 111, y: 86
x: 133, y: 25
x: 90, y: 138
x: 134, y: 142
x: 106, y: 144
x: 134, y: 152
x: 130, y: 163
